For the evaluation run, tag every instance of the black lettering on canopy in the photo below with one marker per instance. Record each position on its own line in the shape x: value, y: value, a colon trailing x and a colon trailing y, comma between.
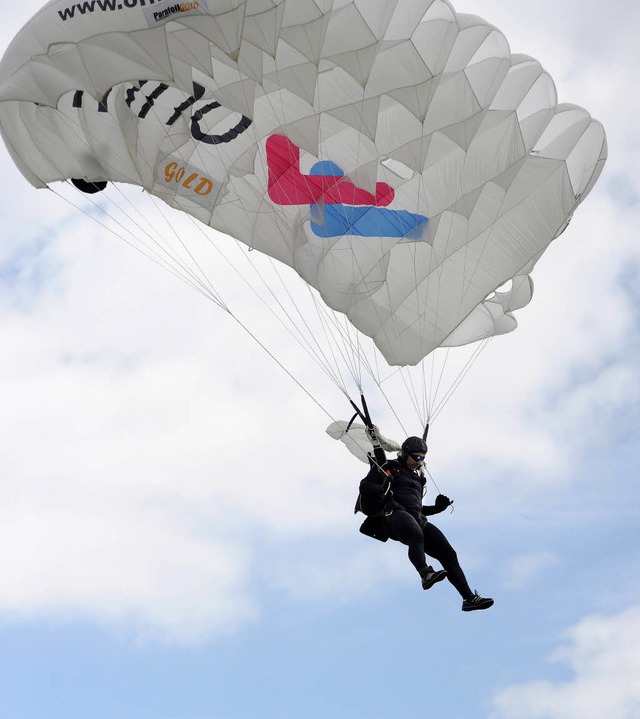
x: 198, y: 92
x: 231, y: 134
x: 151, y: 99
x: 131, y: 92
x: 78, y: 97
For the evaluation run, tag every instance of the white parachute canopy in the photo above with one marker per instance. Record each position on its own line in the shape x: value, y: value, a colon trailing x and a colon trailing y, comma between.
x: 395, y: 154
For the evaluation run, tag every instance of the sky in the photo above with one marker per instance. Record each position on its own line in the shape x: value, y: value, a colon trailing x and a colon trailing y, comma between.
x: 176, y: 530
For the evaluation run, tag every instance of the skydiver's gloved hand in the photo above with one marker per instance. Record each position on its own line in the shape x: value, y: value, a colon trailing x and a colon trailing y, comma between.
x: 379, y: 457
x: 442, y: 503
x: 378, y: 439
x: 372, y: 434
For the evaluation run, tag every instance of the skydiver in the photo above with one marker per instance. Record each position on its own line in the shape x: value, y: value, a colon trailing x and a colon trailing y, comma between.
x: 403, y: 517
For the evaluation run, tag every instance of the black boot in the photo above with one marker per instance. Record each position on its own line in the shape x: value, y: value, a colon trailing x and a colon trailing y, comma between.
x: 430, y: 577
x: 475, y: 601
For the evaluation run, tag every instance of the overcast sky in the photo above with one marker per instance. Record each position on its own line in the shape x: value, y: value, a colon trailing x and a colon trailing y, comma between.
x: 176, y: 530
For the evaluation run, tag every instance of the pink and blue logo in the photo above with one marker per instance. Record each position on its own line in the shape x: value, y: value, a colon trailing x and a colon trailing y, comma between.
x: 338, y: 207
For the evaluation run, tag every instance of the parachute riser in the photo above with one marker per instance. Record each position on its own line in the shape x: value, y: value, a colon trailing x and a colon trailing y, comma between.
x: 362, y: 413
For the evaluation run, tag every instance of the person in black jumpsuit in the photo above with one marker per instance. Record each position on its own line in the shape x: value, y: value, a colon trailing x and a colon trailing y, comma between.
x: 405, y: 520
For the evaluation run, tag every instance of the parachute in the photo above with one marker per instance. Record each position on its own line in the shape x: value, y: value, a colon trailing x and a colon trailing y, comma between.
x: 395, y: 154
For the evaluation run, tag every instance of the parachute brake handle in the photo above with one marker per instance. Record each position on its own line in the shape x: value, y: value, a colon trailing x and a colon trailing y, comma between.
x: 426, y: 432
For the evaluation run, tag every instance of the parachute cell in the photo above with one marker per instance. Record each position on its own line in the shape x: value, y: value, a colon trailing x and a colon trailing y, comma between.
x: 396, y: 155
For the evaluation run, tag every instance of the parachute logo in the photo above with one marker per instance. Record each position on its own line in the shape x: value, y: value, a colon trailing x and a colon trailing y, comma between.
x: 160, y: 15
x: 338, y: 207
x: 186, y: 181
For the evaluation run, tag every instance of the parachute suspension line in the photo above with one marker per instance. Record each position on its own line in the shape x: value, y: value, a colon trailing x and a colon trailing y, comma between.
x: 433, y: 481
x: 435, y: 384
x: 335, y: 368
x: 349, y: 346
x: 391, y: 407
x: 345, y: 330
x: 145, y: 250
x: 322, y: 358
x: 197, y: 273
x: 380, y: 381
x: 183, y: 273
x: 364, y: 361
x: 222, y: 305
x: 407, y: 380
x: 329, y: 318
x: 300, y: 336
x: 461, y: 375
x: 293, y: 330
x: 159, y: 255
x: 205, y: 288
x: 339, y: 330
x: 277, y: 361
x: 334, y: 347
x: 225, y: 307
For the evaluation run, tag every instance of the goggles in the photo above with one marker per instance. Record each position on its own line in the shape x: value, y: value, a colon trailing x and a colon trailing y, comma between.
x: 417, y: 457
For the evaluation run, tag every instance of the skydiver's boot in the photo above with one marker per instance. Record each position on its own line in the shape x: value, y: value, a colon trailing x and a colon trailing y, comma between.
x: 430, y: 576
x: 475, y: 601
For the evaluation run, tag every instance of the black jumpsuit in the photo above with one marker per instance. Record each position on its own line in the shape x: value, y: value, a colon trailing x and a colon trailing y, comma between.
x: 408, y: 524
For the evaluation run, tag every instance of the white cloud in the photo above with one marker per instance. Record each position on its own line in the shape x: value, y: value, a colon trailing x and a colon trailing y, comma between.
x: 143, y: 457
x: 83, y: 557
x: 345, y: 575
x: 602, y: 654
x: 522, y: 570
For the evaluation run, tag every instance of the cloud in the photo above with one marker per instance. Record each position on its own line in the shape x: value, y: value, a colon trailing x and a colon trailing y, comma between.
x: 143, y: 460
x: 602, y: 654
x: 85, y: 558
x: 521, y: 571
x: 343, y: 574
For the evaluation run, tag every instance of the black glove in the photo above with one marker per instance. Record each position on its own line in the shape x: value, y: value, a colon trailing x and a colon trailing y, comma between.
x: 442, y: 503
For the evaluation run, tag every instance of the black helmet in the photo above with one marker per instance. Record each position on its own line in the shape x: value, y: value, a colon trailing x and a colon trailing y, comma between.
x: 414, y: 445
